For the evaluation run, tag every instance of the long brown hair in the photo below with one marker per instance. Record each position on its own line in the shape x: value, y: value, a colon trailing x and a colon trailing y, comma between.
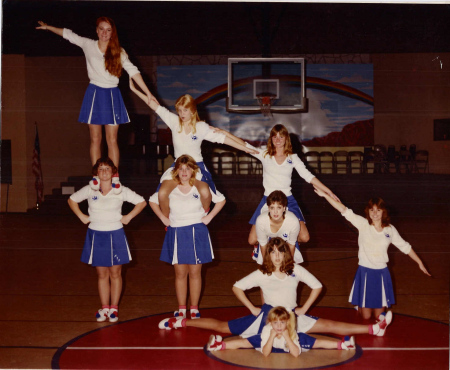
x: 190, y: 162
x: 284, y: 133
x: 187, y: 101
x: 113, y: 62
x: 380, y: 204
x: 287, y: 266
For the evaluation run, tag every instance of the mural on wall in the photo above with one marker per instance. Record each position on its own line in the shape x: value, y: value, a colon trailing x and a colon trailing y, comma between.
x: 340, y: 104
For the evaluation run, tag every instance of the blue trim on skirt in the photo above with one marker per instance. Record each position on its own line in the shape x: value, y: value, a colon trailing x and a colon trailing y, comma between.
x: 106, y: 248
x: 292, y: 206
x: 305, y: 340
x: 371, y: 281
x: 103, y: 106
x: 206, y: 176
x: 193, y: 245
x: 238, y: 326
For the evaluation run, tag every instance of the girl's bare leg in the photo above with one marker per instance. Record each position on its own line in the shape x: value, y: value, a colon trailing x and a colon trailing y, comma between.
x: 338, y: 327
x: 195, y: 283
x: 166, y: 188
x: 205, y: 193
x: 95, y: 150
x: 326, y: 343
x: 237, y: 343
x: 111, y: 139
x: 181, y: 275
x: 115, y: 273
x: 367, y: 313
x: 104, y: 288
x: 210, y: 324
x: 252, y: 238
x: 303, y: 235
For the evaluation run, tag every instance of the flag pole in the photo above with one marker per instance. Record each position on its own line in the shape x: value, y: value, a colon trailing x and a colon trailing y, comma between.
x: 37, y: 169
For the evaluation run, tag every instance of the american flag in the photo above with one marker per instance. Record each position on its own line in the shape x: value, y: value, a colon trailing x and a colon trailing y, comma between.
x: 37, y: 169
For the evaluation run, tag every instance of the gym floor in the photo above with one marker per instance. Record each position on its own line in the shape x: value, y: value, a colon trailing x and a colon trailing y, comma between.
x: 48, y: 297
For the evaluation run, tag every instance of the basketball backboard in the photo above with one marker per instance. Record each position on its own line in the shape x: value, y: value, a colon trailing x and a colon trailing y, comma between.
x: 283, y: 79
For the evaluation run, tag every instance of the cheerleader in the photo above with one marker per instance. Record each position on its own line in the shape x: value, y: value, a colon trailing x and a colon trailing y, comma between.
x: 188, y: 133
x: 372, y: 289
x: 106, y: 246
x: 187, y: 245
x: 280, y: 336
x: 279, y: 162
x: 103, y: 104
x: 277, y: 221
x: 278, y: 278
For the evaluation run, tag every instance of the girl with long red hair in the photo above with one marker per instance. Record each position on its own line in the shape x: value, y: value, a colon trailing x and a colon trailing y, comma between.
x: 103, y: 104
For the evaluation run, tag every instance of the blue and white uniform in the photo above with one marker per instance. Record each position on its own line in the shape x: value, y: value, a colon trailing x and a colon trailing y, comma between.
x: 102, y: 103
x: 106, y: 243
x: 372, y: 286
x: 279, y: 177
x: 187, y: 238
x: 303, y: 341
x: 189, y: 144
x: 276, y: 292
x: 288, y: 231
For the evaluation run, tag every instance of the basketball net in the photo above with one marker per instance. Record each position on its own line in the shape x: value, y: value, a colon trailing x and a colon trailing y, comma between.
x: 265, y: 102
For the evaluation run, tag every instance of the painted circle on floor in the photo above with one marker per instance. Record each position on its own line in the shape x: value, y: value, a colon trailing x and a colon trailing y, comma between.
x: 410, y: 343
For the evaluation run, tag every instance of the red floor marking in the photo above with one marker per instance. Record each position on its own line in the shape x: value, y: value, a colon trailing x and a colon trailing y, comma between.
x: 141, y: 344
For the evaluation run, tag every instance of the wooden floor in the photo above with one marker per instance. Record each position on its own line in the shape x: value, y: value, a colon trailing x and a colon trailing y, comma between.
x: 48, y: 297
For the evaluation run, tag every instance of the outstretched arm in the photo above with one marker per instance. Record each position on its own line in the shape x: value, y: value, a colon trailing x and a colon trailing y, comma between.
x: 149, y: 97
x: 335, y: 203
x: 45, y: 26
x: 234, y: 141
x: 229, y: 135
x: 416, y: 259
x: 239, y: 146
x: 319, y: 185
x: 307, y: 305
x: 149, y: 100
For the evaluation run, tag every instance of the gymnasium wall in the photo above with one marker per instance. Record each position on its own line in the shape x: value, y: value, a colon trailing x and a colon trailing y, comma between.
x: 410, y: 91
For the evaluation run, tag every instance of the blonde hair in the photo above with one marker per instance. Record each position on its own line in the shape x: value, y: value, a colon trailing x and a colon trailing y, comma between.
x: 188, y: 161
x: 280, y: 313
x: 279, y: 129
x: 188, y: 102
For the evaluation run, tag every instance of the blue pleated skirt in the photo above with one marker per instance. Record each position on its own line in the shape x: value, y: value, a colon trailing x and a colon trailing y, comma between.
x: 250, y: 325
x: 292, y: 206
x: 106, y: 248
x: 187, y: 245
x: 372, y: 288
x: 103, y: 106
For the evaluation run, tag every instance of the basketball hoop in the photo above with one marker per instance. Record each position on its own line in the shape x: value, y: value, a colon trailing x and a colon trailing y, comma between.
x: 265, y: 101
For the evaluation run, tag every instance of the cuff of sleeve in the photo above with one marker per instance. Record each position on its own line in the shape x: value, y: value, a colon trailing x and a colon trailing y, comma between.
x: 66, y: 33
